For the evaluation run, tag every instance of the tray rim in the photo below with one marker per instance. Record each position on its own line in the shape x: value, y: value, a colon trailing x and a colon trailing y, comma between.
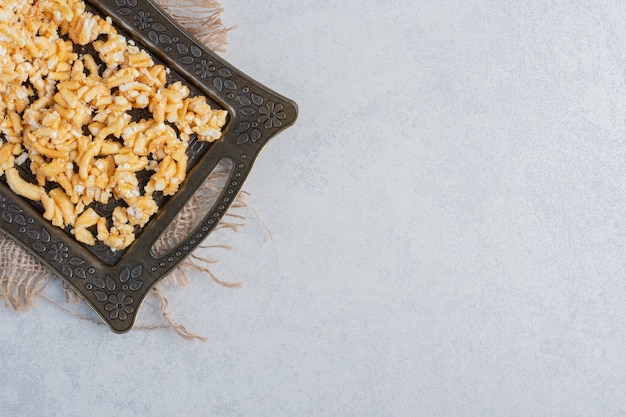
x: 254, y: 112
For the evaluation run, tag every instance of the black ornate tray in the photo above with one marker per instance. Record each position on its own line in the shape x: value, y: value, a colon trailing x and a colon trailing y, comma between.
x: 114, y: 284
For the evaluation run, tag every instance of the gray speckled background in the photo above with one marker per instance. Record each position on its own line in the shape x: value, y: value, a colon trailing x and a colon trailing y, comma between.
x: 448, y: 222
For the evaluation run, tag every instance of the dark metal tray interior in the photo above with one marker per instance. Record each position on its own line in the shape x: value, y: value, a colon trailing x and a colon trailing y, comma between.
x: 104, y: 278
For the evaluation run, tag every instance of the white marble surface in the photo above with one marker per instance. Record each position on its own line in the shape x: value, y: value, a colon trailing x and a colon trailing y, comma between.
x: 447, y: 225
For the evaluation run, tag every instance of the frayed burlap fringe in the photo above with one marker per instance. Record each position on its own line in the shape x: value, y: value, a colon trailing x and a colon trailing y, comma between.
x: 23, y: 277
x: 202, y: 18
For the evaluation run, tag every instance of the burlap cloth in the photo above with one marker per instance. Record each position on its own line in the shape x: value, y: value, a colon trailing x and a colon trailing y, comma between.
x: 23, y: 278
